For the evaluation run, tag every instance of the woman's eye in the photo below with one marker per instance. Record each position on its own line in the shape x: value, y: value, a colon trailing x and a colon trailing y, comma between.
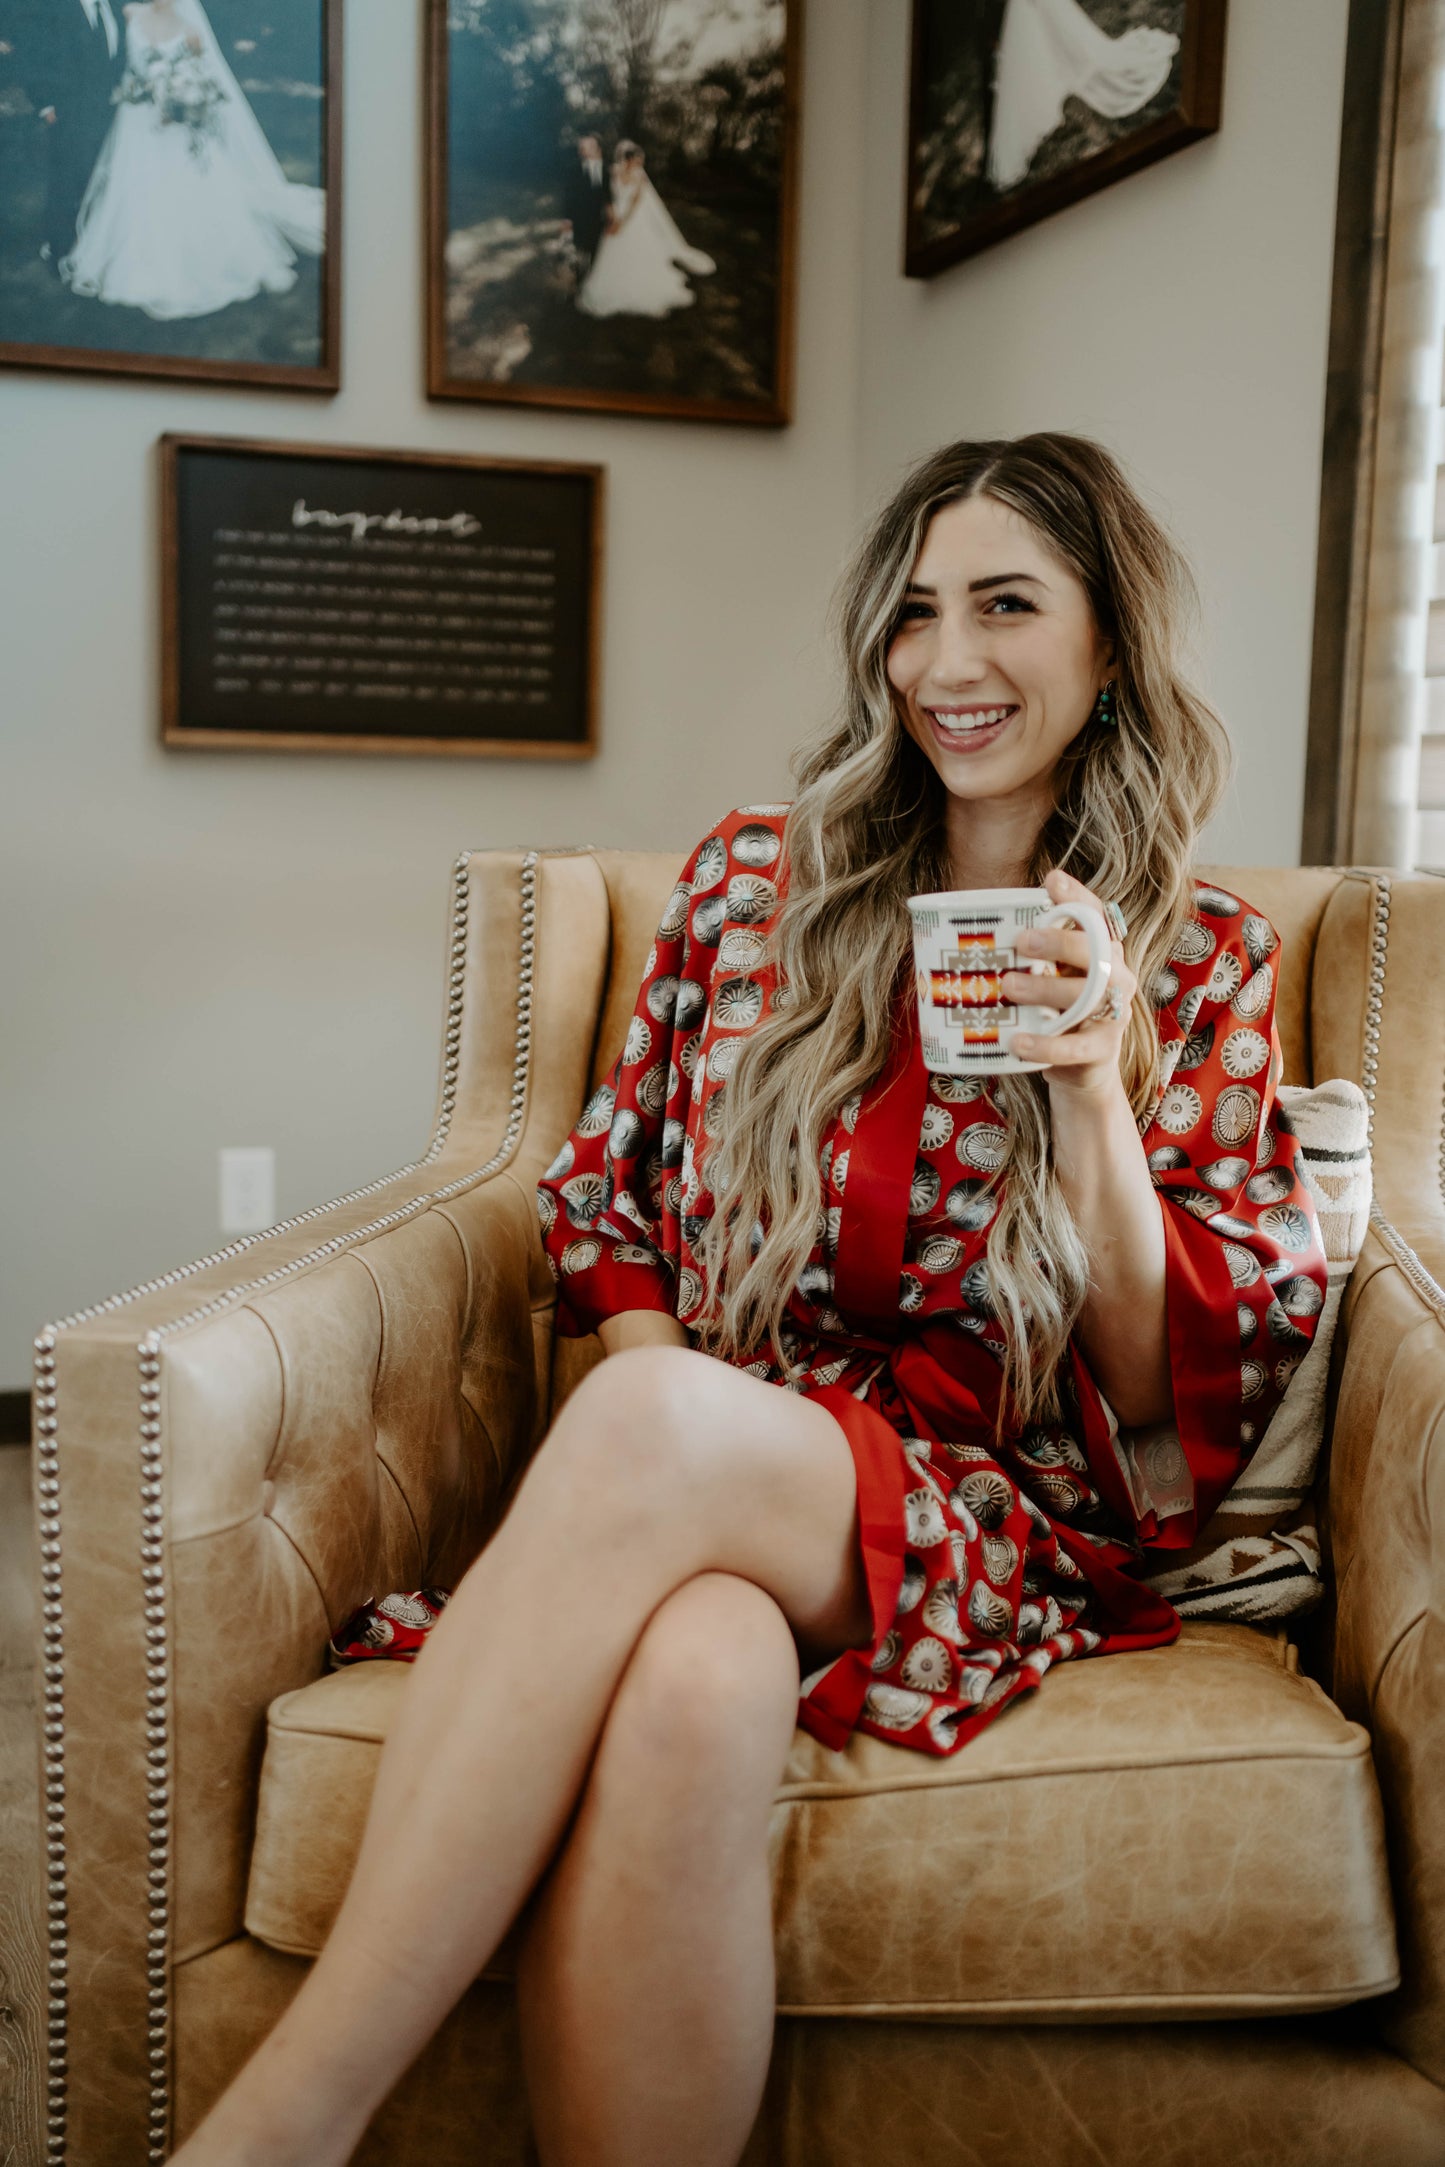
x: 1015, y: 602
x: 913, y: 610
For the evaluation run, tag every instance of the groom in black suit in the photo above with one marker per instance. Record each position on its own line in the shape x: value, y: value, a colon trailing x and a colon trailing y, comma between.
x: 586, y: 194
x: 71, y: 57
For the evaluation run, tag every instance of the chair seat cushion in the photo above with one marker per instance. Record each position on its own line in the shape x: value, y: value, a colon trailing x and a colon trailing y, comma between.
x: 1184, y: 1831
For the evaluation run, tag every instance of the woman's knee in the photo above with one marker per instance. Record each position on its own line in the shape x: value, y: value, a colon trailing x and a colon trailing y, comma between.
x: 711, y: 1689
x: 634, y: 1422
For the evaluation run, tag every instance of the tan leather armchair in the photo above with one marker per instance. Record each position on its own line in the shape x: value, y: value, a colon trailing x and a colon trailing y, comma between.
x: 1150, y: 1916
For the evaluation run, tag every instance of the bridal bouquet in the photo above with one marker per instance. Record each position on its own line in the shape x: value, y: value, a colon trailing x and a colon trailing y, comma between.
x: 184, y: 94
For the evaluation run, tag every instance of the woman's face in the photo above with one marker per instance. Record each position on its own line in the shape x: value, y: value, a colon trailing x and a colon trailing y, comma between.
x: 997, y: 660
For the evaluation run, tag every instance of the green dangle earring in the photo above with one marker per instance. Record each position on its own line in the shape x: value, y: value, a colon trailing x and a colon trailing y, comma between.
x: 1106, y: 710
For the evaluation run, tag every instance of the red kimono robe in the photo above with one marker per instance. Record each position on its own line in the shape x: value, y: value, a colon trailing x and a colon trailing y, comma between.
x: 987, y: 1562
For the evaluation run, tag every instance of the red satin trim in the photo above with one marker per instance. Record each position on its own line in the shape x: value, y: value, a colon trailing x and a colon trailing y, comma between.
x: 873, y: 1229
x: 832, y: 1709
x: 1204, y: 1361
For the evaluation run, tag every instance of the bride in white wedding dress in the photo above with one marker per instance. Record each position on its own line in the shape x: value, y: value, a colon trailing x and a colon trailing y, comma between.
x: 188, y: 208
x: 635, y: 271
x: 1050, y: 50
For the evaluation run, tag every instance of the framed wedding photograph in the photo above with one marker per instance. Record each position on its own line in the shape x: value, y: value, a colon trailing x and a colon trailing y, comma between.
x: 317, y: 598
x: 611, y: 204
x: 1019, y: 107
x: 170, y: 189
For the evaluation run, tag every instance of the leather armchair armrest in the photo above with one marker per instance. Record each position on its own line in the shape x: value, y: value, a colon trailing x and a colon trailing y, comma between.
x: 1386, y: 1533
x: 1377, y: 1012
x: 232, y: 1457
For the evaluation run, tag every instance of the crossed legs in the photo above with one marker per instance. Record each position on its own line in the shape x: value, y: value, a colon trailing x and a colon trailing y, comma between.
x: 646, y: 1979
x: 619, y: 1661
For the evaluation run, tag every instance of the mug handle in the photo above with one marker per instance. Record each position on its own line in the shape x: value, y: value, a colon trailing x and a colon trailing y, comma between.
x: 1090, y: 923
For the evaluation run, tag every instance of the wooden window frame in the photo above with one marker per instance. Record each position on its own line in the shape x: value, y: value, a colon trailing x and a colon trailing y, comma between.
x: 1352, y: 388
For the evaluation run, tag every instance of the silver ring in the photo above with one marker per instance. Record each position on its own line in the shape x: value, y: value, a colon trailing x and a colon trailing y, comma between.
x: 1118, y: 923
x: 1112, y: 1009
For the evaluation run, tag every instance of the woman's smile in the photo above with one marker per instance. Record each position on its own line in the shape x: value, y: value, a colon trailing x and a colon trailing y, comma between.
x: 970, y: 729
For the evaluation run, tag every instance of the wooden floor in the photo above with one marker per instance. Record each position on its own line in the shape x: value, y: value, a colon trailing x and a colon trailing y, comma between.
x: 21, y: 2071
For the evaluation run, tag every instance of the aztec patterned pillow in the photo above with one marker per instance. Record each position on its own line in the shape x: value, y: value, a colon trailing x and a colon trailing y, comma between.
x: 1259, y: 1557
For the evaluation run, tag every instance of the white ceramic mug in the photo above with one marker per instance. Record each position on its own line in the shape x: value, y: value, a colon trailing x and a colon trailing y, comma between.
x: 963, y: 943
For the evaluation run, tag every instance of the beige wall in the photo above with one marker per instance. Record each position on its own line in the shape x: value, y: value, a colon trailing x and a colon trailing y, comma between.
x: 1182, y: 317
x: 209, y: 949
x: 204, y: 950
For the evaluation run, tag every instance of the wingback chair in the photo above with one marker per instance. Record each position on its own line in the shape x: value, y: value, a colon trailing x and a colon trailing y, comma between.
x: 1180, y: 1906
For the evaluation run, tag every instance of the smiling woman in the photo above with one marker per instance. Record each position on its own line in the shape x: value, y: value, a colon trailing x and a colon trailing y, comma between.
x: 960, y: 1282
x: 1015, y: 714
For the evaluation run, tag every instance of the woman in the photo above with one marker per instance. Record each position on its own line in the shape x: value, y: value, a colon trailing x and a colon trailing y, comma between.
x: 950, y: 1280
x: 1051, y: 50
x: 635, y: 271
x: 188, y: 209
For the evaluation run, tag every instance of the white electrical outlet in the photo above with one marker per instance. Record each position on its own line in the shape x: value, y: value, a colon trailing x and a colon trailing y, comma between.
x: 248, y: 1189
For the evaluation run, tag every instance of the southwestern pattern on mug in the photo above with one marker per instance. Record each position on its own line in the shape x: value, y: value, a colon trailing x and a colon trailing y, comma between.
x: 990, y: 1556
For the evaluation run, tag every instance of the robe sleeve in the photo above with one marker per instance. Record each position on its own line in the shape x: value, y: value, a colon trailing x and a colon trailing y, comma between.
x: 611, y: 1201
x: 1245, y: 1264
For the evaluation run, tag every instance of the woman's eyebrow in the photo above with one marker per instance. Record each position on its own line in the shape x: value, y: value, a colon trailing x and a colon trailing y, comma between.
x: 976, y: 586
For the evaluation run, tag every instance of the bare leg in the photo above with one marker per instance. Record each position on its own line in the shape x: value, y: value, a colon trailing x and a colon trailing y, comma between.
x: 663, y: 1465
x: 647, y: 1972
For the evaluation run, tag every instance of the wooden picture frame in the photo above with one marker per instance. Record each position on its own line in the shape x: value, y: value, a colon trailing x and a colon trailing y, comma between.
x: 537, y: 349
x: 277, y: 636
x: 322, y: 375
x: 954, y: 206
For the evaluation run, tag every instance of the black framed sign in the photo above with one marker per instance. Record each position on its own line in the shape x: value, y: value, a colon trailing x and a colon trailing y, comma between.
x: 170, y: 189
x: 323, y: 599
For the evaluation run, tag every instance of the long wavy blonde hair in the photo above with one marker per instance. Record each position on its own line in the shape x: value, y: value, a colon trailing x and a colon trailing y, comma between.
x: 867, y: 830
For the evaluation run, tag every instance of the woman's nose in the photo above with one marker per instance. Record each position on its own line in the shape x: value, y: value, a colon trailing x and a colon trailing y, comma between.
x: 958, y: 653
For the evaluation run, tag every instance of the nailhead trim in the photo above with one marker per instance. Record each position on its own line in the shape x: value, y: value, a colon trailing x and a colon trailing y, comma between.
x: 158, y: 1758
x: 1375, y: 993
x: 1431, y: 1293
x: 1424, y: 1284
x: 52, y: 1640
x: 152, y: 1524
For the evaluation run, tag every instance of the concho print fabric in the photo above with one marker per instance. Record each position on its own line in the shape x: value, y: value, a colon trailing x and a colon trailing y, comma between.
x: 987, y: 1562
x: 392, y: 1630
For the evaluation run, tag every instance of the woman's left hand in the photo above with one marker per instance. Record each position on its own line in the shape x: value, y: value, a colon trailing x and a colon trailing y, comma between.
x: 1085, y: 1059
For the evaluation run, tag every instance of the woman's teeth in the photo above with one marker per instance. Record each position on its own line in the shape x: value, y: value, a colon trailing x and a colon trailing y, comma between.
x: 978, y: 719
